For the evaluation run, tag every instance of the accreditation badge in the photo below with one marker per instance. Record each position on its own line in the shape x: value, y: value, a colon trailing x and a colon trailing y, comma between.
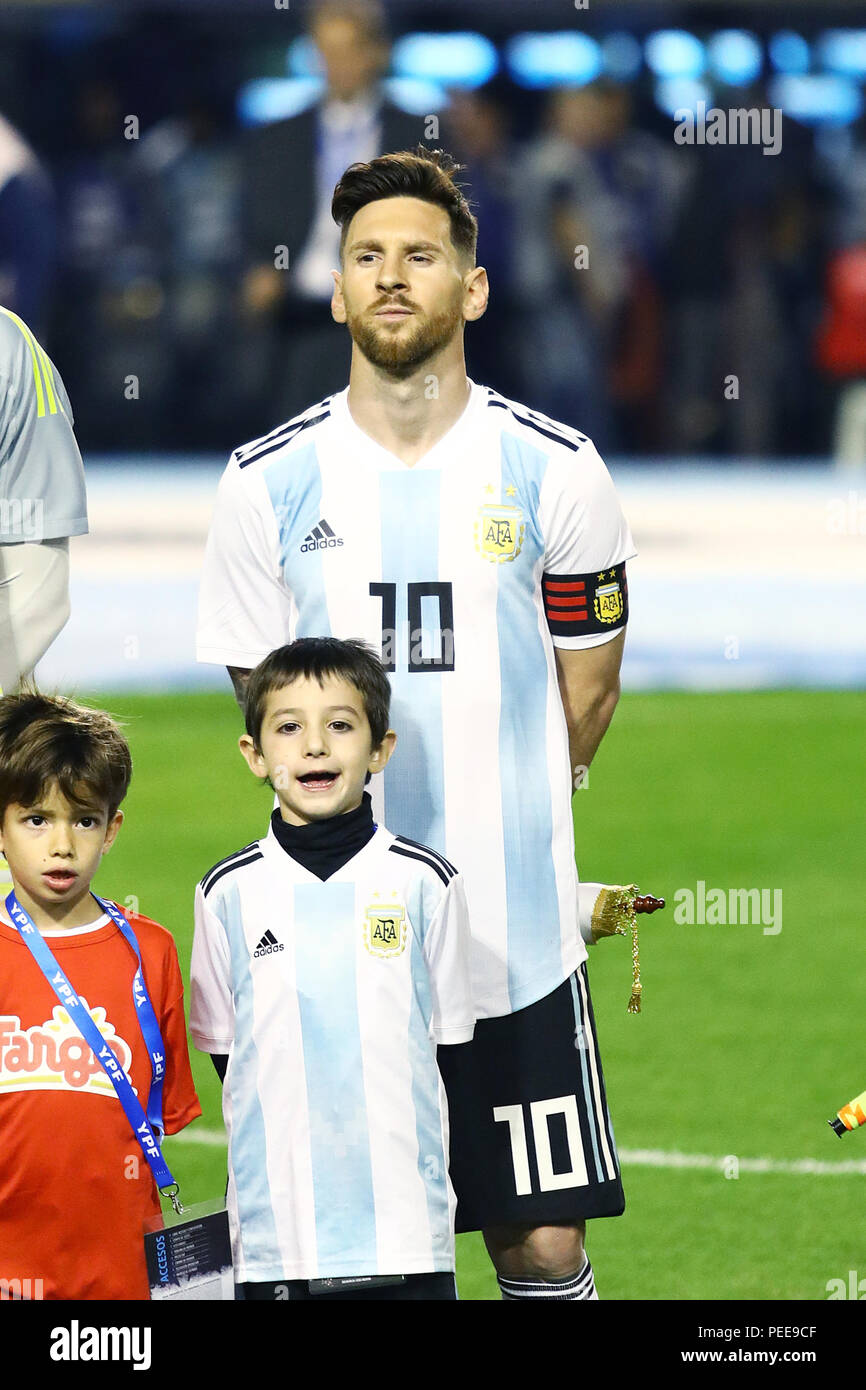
x: 189, y: 1255
x: 353, y: 1283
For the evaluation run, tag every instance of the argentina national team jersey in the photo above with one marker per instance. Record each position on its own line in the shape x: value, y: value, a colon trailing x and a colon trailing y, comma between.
x: 465, y: 571
x: 330, y: 998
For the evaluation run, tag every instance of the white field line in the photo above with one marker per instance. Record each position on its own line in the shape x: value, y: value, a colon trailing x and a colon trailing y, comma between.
x: 813, y: 1167
x: 215, y: 1138
x: 652, y: 1158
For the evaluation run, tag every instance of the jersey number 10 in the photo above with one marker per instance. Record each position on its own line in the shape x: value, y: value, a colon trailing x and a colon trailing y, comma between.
x: 431, y: 646
x: 540, y: 1112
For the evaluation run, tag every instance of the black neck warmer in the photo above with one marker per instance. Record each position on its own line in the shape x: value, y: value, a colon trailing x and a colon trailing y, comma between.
x: 324, y: 846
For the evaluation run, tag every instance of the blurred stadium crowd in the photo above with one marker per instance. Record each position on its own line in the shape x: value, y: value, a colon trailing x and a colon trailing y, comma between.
x: 140, y: 220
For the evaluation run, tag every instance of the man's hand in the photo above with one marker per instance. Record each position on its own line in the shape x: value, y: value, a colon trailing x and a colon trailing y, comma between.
x: 606, y: 909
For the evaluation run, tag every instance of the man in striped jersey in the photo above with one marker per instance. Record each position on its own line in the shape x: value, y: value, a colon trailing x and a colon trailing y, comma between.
x: 482, y: 548
x: 42, y: 504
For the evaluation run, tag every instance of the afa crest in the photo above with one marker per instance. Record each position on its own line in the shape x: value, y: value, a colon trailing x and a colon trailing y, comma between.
x: 499, y: 531
x: 385, y: 929
x: 608, y: 600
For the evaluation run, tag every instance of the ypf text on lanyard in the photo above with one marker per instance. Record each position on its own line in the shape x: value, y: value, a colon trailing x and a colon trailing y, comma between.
x: 146, y: 1127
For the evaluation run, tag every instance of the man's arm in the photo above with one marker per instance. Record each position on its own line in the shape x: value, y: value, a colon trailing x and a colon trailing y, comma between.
x: 589, y: 687
x: 240, y: 681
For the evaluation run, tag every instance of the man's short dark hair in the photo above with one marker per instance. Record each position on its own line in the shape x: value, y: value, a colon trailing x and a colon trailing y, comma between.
x: 316, y: 658
x: 419, y: 173
x: 46, y: 740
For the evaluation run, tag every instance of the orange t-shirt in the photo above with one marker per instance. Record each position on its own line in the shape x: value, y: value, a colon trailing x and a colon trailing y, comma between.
x: 75, y: 1189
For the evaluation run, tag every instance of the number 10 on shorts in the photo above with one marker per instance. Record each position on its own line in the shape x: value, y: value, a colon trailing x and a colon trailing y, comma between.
x: 540, y: 1112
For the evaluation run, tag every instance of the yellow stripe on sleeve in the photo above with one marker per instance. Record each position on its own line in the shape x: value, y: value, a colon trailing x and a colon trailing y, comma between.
x: 35, y: 350
x: 53, y: 401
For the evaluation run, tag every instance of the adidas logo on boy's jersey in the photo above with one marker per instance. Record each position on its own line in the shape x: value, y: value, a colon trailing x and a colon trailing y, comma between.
x: 268, y: 945
x: 321, y: 538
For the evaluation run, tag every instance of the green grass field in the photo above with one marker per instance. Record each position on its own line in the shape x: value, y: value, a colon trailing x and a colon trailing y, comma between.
x: 748, y: 1042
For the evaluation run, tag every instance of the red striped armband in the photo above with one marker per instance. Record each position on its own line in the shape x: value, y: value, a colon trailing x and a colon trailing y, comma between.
x: 584, y: 605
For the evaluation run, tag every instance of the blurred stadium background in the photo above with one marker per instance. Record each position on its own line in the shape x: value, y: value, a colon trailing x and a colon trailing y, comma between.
x: 714, y: 346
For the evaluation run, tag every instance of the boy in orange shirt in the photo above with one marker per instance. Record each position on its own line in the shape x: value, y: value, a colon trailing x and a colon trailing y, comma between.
x: 75, y: 1189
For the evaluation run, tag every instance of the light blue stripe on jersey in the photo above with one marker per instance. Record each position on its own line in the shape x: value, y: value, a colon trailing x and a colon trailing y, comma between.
x: 294, y: 485
x: 339, y: 1137
x: 432, y: 1163
x: 415, y: 781
x: 527, y: 818
x: 248, y: 1151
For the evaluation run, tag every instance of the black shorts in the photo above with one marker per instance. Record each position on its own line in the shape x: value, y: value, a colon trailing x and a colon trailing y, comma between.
x: 531, y: 1137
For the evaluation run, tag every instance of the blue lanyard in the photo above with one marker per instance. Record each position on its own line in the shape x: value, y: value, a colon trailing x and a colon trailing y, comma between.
x: 142, y: 1125
x: 146, y: 1021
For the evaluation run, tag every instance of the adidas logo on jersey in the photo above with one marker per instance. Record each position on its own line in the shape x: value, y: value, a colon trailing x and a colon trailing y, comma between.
x: 321, y: 538
x: 268, y: 945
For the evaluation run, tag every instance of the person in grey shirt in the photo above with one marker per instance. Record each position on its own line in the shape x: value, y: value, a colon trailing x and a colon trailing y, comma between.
x: 42, y: 500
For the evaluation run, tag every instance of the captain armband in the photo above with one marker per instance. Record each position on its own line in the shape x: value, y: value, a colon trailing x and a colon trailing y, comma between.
x: 585, y: 605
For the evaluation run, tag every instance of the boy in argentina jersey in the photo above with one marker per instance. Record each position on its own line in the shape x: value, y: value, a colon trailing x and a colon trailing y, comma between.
x: 481, y: 547
x: 330, y: 959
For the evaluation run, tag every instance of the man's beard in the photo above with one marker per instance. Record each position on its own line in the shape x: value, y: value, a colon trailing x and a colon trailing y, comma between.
x: 400, y: 354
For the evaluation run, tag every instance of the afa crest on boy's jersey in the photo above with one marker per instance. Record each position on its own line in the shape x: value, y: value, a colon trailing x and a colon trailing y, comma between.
x: 465, y: 571
x: 385, y: 930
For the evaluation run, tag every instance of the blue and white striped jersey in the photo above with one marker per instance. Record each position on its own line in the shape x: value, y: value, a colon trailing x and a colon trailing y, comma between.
x: 330, y: 998
x: 506, y: 540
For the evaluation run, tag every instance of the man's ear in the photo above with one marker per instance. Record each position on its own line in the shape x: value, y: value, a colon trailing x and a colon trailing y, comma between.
x: 380, y: 756
x: 338, y: 305
x: 476, y: 292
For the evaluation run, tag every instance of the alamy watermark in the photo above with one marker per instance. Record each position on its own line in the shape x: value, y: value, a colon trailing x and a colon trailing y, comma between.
x: 732, y: 907
x: 756, y: 125
x: 847, y: 516
x: 77, y: 1343
x: 855, y: 1288
x: 23, y: 518
x: 28, y: 1290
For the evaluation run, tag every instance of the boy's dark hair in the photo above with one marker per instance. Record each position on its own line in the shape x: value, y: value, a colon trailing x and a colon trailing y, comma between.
x: 47, y: 739
x: 419, y: 173
x: 314, y: 658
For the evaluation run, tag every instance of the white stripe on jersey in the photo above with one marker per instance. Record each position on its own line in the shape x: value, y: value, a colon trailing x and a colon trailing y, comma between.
x: 588, y: 1054
x: 470, y: 737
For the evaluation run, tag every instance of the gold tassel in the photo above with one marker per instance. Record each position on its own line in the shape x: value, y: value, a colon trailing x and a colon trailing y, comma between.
x: 614, y: 915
